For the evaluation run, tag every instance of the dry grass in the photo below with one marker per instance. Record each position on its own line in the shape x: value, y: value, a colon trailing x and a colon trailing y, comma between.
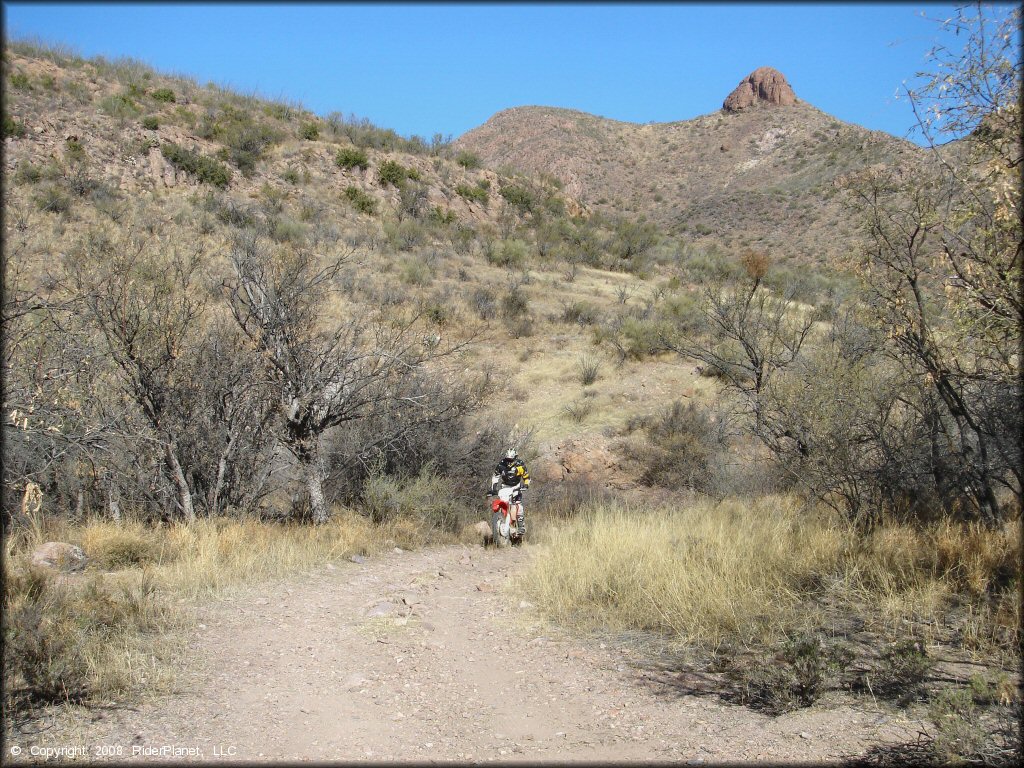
x: 114, y: 630
x: 753, y: 573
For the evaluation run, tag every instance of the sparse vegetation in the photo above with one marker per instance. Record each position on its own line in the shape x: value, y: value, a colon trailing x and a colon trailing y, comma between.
x: 361, y: 201
x: 352, y: 157
x: 206, y: 169
x: 164, y: 95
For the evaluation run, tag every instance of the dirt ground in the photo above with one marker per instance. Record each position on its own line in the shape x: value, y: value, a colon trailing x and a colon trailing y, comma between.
x: 431, y: 656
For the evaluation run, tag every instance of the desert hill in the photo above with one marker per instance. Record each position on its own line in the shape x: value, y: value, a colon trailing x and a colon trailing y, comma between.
x: 762, y: 172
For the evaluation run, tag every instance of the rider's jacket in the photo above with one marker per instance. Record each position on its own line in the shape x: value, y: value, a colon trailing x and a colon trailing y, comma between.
x: 510, y: 472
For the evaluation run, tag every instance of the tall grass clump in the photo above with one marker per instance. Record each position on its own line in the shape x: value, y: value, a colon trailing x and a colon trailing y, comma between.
x: 702, y: 574
x: 86, y: 638
x: 754, y: 573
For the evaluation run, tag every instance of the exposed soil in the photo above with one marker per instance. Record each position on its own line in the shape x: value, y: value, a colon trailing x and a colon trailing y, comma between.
x: 431, y: 655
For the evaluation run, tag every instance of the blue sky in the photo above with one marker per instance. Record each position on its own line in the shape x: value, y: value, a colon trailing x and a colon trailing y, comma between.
x: 445, y: 68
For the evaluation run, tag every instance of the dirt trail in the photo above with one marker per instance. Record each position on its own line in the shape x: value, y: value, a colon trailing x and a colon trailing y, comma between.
x: 402, y: 657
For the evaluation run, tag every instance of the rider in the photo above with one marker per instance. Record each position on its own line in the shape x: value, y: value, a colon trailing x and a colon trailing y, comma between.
x: 510, y: 472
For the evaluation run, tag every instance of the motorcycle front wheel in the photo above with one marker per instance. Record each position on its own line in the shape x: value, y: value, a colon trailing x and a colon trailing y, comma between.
x: 499, y: 541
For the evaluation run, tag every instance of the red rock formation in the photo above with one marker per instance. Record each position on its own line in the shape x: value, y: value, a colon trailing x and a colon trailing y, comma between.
x: 763, y: 85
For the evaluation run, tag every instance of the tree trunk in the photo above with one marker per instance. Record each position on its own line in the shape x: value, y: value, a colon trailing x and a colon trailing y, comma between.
x: 308, y: 454
x: 178, y: 475
x: 114, y: 502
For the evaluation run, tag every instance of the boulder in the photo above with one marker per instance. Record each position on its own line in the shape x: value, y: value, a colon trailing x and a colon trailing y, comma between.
x: 482, y: 532
x: 762, y: 86
x: 59, y: 556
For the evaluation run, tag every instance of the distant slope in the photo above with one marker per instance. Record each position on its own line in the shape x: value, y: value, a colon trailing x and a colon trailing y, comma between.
x: 764, y: 177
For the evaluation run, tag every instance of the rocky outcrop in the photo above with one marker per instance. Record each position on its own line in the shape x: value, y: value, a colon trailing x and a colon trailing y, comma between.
x: 762, y: 86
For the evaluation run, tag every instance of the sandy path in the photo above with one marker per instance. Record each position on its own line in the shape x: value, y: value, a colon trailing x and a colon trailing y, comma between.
x: 401, y: 658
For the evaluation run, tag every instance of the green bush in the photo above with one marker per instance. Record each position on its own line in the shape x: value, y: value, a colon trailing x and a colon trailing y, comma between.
x: 473, y: 194
x: 120, y: 106
x: 19, y: 81
x: 309, y: 131
x: 511, y: 254
x: 391, y: 173
x: 442, y: 216
x: 351, y: 157
x: 361, y: 201
x: 426, y: 498
x: 166, y: 95
x: 519, y: 197
x: 150, y: 122
x: 14, y: 128
x: 74, y: 150
x: 53, y: 199
x: 579, y: 313
x: 467, y: 160
x: 206, y: 169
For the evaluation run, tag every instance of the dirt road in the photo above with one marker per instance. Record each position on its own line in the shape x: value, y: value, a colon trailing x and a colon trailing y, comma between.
x: 406, y: 656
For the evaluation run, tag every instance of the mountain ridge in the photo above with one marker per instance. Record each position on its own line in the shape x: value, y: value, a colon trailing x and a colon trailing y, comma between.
x: 717, y: 178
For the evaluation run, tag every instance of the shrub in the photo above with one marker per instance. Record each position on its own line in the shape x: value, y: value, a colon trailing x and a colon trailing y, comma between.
x: 589, y: 368
x: 519, y: 197
x: 361, y: 201
x: 283, y: 229
x: 391, y: 173
x: 679, y: 444
x: 120, y: 106
x: 309, y: 131
x: 510, y: 254
x: 484, y: 302
x: 579, y: 313
x: 247, y: 144
x: 166, y: 95
x: 351, y: 157
x: 473, y: 194
x: 28, y: 173
x: 903, y: 672
x: 74, y: 150
x: 442, y: 216
x: 206, y: 169
x: 150, y: 122
x: 19, y: 81
x: 467, y: 160
x: 516, y: 304
x: 578, y: 410
x: 14, y: 128
x: 53, y: 199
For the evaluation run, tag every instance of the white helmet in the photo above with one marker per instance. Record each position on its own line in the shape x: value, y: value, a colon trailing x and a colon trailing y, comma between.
x: 511, y: 454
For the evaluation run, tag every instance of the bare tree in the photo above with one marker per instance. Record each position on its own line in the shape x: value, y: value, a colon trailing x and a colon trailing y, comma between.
x: 746, y: 335
x: 323, y: 371
x: 144, y: 297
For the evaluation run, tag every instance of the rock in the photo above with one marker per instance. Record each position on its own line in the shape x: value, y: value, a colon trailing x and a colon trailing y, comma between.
x: 398, y: 550
x: 762, y: 86
x: 330, y: 566
x: 358, y: 559
x: 804, y: 735
x: 59, y: 556
x: 476, y: 534
x: 484, y: 588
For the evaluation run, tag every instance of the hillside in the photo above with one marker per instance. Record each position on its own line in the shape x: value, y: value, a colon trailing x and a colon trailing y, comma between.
x: 254, y: 356
x: 765, y: 177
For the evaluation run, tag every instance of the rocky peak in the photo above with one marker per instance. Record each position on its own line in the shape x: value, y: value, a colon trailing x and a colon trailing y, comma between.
x: 762, y: 86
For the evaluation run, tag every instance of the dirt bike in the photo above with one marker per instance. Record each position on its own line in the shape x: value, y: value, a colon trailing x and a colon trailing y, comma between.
x: 505, y: 518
